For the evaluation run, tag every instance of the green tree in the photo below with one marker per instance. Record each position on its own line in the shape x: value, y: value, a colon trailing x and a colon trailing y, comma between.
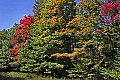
x: 4, y: 47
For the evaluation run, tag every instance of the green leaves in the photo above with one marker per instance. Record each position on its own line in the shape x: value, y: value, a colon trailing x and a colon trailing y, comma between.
x: 4, y: 47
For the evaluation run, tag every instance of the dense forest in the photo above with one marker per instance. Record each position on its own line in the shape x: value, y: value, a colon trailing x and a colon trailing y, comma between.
x: 65, y: 39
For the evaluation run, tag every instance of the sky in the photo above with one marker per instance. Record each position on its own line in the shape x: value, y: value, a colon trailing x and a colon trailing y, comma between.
x: 11, y: 11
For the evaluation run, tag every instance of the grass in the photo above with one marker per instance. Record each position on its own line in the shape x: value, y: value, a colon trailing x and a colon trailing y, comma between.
x: 23, y: 76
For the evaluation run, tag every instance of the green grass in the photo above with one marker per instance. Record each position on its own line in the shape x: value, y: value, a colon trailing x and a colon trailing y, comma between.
x: 23, y: 76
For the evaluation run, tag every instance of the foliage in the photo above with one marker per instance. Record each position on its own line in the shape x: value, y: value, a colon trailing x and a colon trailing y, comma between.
x: 112, y: 29
x: 36, y: 54
x: 18, y: 39
x: 2, y: 33
x: 67, y: 39
x: 4, y: 47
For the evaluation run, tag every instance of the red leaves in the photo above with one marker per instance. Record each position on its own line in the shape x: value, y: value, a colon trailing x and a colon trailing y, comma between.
x: 14, y: 51
x: 13, y: 41
x: 21, y: 35
x: 16, y: 57
x: 116, y: 17
x: 23, y: 28
x: 27, y: 20
x: 19, y: 27
x: 25, y: 37
x: 110, y: 12
x: 25, y: 17
x: 21, y: 21
x: 109, y: 6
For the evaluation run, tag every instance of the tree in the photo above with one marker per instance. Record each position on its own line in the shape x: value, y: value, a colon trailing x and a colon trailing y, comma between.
x: 4, y: 47
x: 110, y: 20
x: 53, y: 18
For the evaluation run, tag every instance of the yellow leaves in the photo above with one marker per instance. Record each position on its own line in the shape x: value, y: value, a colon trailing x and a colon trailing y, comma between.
x: 90, y: 19
x: 90, y: 42
x: 80, y: 4
x: 56, y: 32
x: 85, y: 28
x: 92, y: 4
x: 49, y: 4
x: 71, y: 2
x: 84, y: 3
x: 47, y: 38
x: 65, y: 55
x: 57, y: 2
x: 58, y: 55
x: 78, y: 33
x: 77, y: 52
x: 40, y: 21
x: 45, y: 33
x: 100, y: 48
x: 74, y: 22
x: 64, y: 31
x: 87, y: 0
x: 60, y: 19
x: 59, y: 42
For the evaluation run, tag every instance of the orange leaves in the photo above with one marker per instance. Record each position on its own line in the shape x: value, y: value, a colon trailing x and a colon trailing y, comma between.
x: 99, y: 31
x: 84, y: 30
x: 55, y: 9
x: 87, y: 0
x: 64, y: 31
x: 49, y: 11
x: 56, y: 6
x: 40, y: 21
x: 88, y: 28
x: 74, y: 22
x: 65, y: 55
x: 53, y: 21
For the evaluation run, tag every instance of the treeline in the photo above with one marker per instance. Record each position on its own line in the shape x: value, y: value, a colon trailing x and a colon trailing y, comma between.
x: 65, y: 39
